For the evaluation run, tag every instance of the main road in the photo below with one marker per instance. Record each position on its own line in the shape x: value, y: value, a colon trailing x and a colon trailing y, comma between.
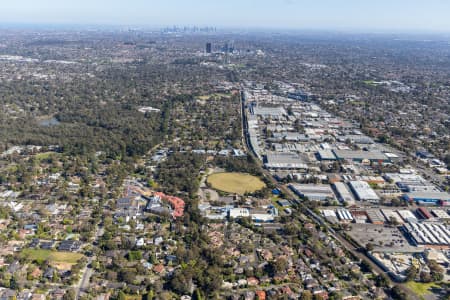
x: 83, y: 284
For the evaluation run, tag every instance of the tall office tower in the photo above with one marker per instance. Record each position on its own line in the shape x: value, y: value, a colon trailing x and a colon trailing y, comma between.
x: 208, y: 48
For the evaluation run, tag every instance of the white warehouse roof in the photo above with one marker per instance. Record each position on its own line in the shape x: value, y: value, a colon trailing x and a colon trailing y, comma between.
x: 363, y: 191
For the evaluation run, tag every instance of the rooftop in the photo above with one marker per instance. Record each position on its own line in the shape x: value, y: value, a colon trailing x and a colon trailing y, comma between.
x: 360, y: 155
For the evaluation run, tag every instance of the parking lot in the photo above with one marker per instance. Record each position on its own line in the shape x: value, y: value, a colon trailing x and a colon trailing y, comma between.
x: 383, y: 238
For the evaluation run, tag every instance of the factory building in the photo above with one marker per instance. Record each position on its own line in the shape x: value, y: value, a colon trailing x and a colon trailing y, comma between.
x: 411, y: 182
x: 407, y: 215
x: 343, y: 193
x: 315, y: 192
x: 441, y: 214
x: 360, y: 216
x: 326, y: 154
x: 266, y: 112
x: 356, y: 139
x: 392, y: 215
x: 433, y: 235
x: 344, y: 215
x: 424, y: 213
x: 286, y: 161
x: 364, y: 157
x: 430, y: 198
x: 330, y: 215
x: 363, y: 191
x: 375, y: 216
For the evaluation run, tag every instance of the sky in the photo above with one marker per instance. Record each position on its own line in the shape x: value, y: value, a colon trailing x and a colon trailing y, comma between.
x: 360, y: 15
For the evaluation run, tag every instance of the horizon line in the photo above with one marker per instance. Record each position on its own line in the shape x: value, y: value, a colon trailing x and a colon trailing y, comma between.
x: 254, y: 28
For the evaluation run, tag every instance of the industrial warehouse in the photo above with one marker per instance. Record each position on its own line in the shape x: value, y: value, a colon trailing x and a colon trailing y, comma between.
x: 429, y: 234
x: 385, y: 204
x: 363, y: 191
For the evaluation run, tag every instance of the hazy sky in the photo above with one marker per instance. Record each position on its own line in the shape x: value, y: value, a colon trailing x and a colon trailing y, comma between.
x: 397, y: 15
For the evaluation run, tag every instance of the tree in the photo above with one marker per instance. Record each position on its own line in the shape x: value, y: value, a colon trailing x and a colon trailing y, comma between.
x: 134, y: 255
x: 150, y: 295
x: 69, y: 295
x: 335, y: 296
x: 369, y: 247
x: 306, y: 295
x: 212, y: 280
x: 246, y: 247
x: 436, y: 271
x: 197, y: 295
x: 121, y: 296
x: 365, y: 266
x: 181, y: 282
x: 127, y: 276
x: 393, y: 221
x: 381, y: 280
x: 278, y: 265
x: 425, y: 277
x: 13, y: 283
x: 411, y: 273
x: 399, y: 293
x: 291, y: 228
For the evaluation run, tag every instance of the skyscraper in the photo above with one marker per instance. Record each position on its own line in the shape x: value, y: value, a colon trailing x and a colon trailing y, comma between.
x: 208, y: 48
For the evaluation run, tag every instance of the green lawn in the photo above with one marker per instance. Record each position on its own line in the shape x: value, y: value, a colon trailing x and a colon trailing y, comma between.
x: 370, y: 82
x: 274, y: 200
x: 421, y: 289
x: 45, y: 155
x: 52, y: 256
x: 133, y: 297
x: 215, y: 96
x: 236, y: 183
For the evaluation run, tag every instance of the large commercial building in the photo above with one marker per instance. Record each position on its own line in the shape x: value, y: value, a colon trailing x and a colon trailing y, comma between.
x: 441, y: 214
x: 356, y: 139
x: 391, y: 215
x: 287, y: 161
x: 326, y: 155
x: 239, y: 212
x: 407, y: 216
x: 343, y: 193
x: 375, y: 216
x: 424, y: 213
x: 433, y: 235
x: 411, y: 182
x: 273, y: 112
x: 344, y: 215
x: 361, y: 156
x: 315, y: 192
x: 363, y: 191
x: 432, y: 198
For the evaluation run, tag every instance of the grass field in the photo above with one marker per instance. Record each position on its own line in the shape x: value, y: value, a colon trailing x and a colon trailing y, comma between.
x: 421, y: 289
x: 133, y: 297
x: 216, y: 95
x: 44, y: 155
x: 236, y: 183
x: 60, y: 260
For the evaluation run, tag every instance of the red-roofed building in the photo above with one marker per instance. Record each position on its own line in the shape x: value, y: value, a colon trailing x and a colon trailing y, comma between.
x: 158, y: 269
x: 260, y: 295
x: 286, y: 290
x: 176, y: 203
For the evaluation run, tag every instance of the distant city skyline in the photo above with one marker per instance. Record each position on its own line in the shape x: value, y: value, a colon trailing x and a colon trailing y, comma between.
x: 381, y: 15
